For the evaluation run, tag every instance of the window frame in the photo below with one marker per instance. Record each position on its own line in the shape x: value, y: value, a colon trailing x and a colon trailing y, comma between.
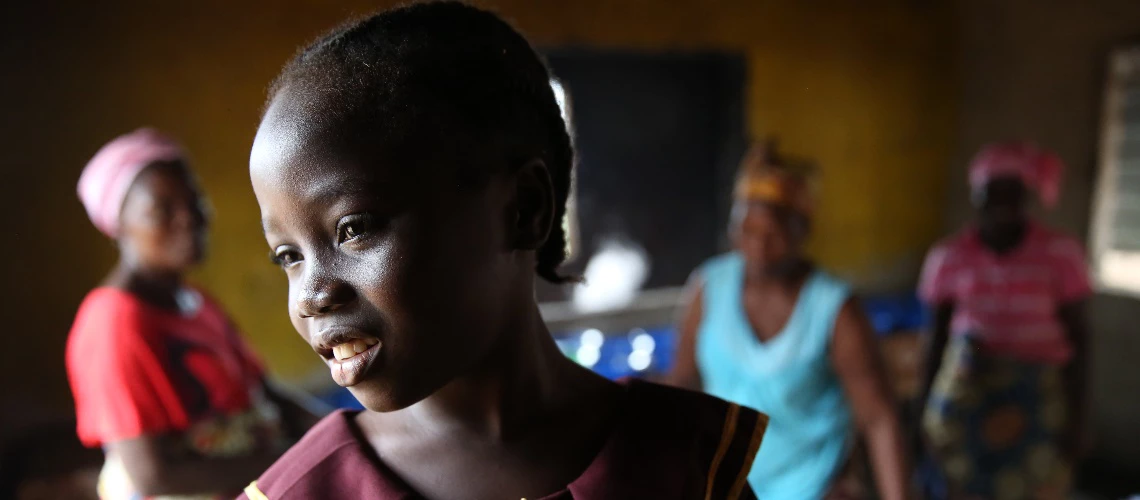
x: 1115, y: 271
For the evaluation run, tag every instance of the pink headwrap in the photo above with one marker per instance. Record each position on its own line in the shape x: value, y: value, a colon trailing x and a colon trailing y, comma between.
x: 105, y: 180
x: 1038, y: 169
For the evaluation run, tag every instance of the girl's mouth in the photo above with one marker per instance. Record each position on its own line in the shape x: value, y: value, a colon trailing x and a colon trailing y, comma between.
x: 351, y: 348
x: 350, y: 362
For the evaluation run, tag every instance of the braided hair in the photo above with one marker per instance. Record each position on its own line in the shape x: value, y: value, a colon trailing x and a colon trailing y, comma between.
x: 446, y: 80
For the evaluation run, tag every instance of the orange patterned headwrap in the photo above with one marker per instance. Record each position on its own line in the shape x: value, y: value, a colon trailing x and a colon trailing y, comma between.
x: 766, y: 178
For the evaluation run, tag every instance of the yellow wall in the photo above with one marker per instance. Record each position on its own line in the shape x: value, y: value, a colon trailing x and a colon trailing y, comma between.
x: 862, y: 90
x: 874, y: 112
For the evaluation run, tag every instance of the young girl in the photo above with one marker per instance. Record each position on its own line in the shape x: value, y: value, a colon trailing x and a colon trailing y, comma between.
x: 162, y: 380
x: 412, y: 170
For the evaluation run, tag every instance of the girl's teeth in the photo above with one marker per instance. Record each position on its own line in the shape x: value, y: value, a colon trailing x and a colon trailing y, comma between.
x: 343, y: 351
x: 352, y: 348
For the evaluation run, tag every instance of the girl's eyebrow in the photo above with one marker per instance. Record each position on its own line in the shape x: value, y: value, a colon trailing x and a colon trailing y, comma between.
x: 332, y: 191
x: 347, y: 185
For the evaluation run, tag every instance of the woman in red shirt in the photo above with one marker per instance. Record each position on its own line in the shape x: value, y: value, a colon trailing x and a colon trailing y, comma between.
x: 162, y: 380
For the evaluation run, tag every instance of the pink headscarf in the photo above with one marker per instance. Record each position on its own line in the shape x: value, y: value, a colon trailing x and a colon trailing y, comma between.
x: 105, y: 180
x: 1038, y: 168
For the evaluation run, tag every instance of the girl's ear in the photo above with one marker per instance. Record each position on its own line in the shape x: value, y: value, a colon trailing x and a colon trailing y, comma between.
x: 532, y: 206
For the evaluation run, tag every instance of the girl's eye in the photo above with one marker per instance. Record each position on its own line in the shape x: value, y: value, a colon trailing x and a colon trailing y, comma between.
x: 352, y: 230
x: 286, y: 258
x: 353, y: 227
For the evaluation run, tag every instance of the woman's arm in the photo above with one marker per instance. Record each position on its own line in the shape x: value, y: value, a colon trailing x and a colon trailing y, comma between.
x: 933, y: 347
x: 159, y: 465
x: 855, y: 357
x: 685, y: 373
x: 1076, y: 377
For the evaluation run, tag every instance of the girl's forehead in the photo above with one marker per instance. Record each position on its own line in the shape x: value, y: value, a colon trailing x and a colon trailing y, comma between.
x: 288, y: 134
x: 297, y: 149
x: 302, y: 173
x: 303, y: 133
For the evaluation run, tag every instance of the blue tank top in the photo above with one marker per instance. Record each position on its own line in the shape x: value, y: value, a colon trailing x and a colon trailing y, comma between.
x: 789, y: 377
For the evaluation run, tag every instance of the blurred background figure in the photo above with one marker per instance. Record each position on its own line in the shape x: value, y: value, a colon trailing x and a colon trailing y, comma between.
x: 1006, y: 362
x: 766, y: 328
x: 162, y: 380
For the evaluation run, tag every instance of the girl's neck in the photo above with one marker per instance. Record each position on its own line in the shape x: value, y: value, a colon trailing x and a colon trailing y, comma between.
x: 524, y: 379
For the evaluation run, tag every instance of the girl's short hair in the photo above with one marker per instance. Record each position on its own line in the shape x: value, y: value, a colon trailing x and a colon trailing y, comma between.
x: 448, y: 81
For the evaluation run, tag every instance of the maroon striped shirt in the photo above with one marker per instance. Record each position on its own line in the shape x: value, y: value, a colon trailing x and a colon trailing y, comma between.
x: 666, y: 444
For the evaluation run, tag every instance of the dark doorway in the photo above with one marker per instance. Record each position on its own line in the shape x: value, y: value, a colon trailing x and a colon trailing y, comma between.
x: 658, y: 139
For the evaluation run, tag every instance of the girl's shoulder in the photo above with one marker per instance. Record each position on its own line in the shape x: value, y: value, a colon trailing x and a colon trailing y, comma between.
x: 668, y: 443
x: 684, y: 444
x: 330, y: 461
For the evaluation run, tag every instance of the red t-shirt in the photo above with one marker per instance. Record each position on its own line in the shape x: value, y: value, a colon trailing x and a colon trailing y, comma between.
x: 136, y: 369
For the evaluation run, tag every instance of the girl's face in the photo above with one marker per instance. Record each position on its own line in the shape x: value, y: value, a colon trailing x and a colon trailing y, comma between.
x: 400, y: 279
x: 163, y: 221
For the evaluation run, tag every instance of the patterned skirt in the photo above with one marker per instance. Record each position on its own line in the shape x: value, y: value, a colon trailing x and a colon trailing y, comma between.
x: 993, y: 424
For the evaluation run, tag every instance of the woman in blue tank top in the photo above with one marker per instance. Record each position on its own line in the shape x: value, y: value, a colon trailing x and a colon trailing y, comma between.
x: 764, y: 328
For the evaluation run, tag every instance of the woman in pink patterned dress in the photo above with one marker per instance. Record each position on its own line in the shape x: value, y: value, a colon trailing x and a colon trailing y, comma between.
x: 1006, y: 362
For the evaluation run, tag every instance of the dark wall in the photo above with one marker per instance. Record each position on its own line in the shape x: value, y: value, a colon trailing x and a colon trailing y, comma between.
x: 658, y: 139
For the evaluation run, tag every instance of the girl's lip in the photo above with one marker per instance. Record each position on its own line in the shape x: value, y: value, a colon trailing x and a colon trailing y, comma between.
x: 349, y: 372
x: 329, y: 337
